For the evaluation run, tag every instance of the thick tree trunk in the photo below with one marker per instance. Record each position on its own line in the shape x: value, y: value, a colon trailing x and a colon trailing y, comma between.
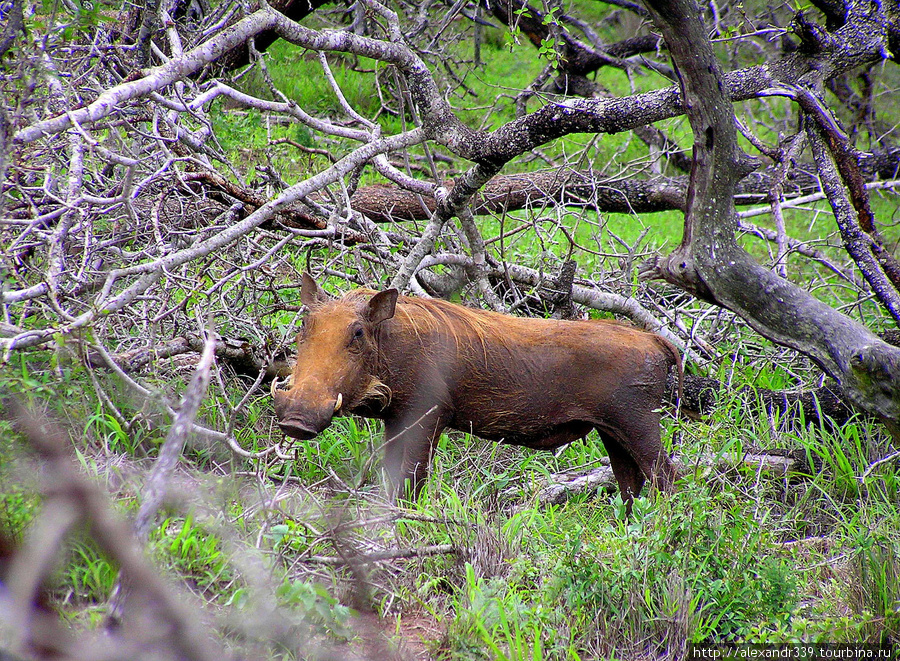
x: 510, y: 192
x: 709, y: 261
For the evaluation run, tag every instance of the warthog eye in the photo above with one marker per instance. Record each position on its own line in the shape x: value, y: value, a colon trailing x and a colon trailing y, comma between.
x: 356, y: 334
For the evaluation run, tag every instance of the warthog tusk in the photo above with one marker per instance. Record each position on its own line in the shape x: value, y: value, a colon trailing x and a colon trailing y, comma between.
x: 288, y: 382
x: 337, y: 404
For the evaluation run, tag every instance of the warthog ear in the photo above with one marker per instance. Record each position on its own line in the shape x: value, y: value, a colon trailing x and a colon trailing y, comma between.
x: 382, y: 306
x: 310, y: 293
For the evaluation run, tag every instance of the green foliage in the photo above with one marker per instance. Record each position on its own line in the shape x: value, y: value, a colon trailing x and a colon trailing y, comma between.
x: 115, y: 438
x: 874, y: 568
x: 347, y: 448
x: 695, y: 568
x: 313, y: 604
x: 17, y: 507
x: 86, y: 576
x: 504, y: 622
x: 195, y: 555
x: 691, y: 569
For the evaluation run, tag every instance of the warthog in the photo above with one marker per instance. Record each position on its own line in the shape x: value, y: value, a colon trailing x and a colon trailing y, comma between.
x: 425, y: 365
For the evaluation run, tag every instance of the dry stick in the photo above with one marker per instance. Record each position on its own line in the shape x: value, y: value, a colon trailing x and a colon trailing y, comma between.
x: 158, y: 481
x: 405, y: 181
x: 65, y: 483
x: 857, y: 243
x: 380, y: 556
x: 800, y: 248
x: 775, y: 195
x: 148, y: 394
x: 451, y: 205
x: 285, y: 107
x: 329, y: 76
x: 156, y: 79
x: 876, y: 464
x: 262, y: 20
x: 561, y: 487
x: 476, y: 245
x: 532, y: 89
x: 517, y: 137
x: 842, y: 183
x: 57, y: 251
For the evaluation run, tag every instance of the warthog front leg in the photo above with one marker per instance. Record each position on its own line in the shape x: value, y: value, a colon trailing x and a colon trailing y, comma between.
x: 408, y: 450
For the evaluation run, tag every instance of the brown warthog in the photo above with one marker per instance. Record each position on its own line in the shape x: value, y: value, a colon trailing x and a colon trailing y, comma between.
x: 423, y: 365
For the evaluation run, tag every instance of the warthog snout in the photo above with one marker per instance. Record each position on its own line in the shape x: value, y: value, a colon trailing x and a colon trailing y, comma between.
x: 297, y: 429
x: 300, y: 418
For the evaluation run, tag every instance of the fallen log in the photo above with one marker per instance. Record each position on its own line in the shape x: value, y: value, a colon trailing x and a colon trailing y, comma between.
x: 563, y: 486
x: 824, y: 405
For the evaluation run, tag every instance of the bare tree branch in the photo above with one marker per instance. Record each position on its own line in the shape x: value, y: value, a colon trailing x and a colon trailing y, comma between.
x: 156, y: 485
x: 710, y: 263
x: 69, y: 497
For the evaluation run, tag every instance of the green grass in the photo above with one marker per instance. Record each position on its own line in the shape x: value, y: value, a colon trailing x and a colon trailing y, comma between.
x: 732, y: 555
x: 18, y: 503
x: 85, y: 578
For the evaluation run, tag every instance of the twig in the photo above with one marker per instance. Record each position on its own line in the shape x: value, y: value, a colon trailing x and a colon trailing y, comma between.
x: 381, y: 556
x: 156, y: 486
x: 448, y: 207
x: 476, y: 245
x: 157, y: 481
x: 561, y: 487
x: 67, y: 488
x: 876, y: 464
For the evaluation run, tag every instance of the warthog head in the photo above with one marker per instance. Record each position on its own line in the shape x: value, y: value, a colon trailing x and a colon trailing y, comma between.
x: 337, y: 357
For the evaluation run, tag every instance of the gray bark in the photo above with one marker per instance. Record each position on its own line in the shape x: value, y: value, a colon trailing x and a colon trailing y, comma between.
x: 709, y: 261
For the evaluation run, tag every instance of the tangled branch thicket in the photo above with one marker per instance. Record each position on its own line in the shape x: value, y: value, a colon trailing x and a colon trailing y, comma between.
x: 126, y: 217
x: 129, y: 213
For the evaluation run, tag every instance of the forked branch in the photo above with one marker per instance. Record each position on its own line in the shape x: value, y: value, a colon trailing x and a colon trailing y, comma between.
x: 712, y: 264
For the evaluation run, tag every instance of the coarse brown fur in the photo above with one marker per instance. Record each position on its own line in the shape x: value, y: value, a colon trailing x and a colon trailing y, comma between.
x: 425, y: 365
